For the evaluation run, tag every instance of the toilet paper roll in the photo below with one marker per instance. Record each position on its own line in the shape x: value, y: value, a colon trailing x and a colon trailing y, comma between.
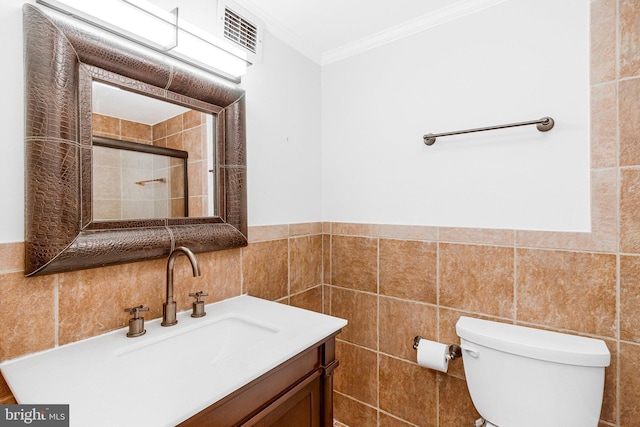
x: 433, y: 355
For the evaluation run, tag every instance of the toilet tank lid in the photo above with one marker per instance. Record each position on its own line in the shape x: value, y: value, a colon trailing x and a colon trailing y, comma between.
x: 534, y: 343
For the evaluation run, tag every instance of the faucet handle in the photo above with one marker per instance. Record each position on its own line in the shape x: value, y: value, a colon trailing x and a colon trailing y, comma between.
x: 136, y: 323
x: 198, y: 295
x: 135, y: 311
x: 198, y: 306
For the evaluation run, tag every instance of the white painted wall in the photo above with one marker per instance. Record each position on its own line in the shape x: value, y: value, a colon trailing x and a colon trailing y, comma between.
x: 518, y: 61
x: 284, y: 149
x: 11, y: 123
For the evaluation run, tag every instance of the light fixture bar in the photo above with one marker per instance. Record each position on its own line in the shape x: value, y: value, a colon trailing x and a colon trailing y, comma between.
x: 175, y: 24
x: 91, y: 19
x: 178, y: 28
x: 189, y: 47
x: 193, y: 34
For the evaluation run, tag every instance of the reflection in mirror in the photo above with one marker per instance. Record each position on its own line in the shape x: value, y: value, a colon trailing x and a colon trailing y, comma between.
x: 132, y: 180
x: 127, y: 116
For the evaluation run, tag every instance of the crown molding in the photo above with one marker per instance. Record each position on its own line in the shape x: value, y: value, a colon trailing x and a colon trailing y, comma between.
x: 406, y: 29
x: 273, y: 26
x: 409, y: 28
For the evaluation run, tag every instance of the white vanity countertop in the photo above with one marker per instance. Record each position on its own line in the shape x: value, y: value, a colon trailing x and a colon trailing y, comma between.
x: 170, y: 373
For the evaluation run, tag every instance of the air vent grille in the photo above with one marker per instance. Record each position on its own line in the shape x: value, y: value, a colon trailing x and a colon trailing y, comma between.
x: 240, y: 31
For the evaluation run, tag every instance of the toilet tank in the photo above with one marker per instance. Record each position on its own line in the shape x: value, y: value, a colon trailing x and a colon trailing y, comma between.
x: 526, y: 377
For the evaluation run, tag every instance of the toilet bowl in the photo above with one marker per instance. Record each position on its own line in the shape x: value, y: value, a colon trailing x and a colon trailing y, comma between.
x: 526, y: 377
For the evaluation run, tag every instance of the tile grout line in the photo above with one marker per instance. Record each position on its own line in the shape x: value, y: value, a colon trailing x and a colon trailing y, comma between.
x: 378, y: 358
x: 515, y: 282
x: 618, y: 182
x: 289, y: 263
x: 438, y: 319
x: 56, y: 310
x: 240, y: 261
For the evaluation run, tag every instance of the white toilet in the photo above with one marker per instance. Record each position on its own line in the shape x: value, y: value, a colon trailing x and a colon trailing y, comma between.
x: 525, y: 377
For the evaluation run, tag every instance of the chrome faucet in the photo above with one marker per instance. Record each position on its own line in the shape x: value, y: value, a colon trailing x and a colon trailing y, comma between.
x: 169, y: 307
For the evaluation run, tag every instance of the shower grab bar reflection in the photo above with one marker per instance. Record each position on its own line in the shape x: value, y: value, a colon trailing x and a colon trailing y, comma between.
x: 544, y: 124
x: 149, y: 181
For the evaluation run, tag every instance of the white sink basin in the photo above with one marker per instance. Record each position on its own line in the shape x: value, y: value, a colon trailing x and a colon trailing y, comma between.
x: 170, y: 373
x: 199, y: 345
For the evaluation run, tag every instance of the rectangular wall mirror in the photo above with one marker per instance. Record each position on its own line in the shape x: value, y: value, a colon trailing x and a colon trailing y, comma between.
x: 72, y: 70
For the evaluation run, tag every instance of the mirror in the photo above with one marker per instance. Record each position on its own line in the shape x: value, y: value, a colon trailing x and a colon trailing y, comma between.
x: 133, y: 180
x: 145, y: 122
x: 64, y: 61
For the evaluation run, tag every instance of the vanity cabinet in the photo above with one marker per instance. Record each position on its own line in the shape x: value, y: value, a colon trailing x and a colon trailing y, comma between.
x: 298, y: 393
x: 249, y: 362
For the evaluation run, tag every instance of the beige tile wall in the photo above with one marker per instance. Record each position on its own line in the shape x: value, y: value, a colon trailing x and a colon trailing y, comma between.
x: 392, y: 287
x: 115, y: 196
x: 112, y: 127
x: 187, y: 132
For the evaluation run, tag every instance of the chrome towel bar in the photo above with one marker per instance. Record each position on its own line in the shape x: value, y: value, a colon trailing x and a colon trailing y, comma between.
x: 544, y: 124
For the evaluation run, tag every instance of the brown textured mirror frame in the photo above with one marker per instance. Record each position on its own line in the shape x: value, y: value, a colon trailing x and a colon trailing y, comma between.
x: 62, y: 57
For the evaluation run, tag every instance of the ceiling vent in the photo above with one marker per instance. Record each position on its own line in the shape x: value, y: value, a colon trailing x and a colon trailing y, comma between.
x: 241, y: 27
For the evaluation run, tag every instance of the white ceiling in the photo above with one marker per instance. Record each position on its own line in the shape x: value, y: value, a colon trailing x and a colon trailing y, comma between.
x: 114, y: 102
x: 330, y: 24
x: 330, y: 30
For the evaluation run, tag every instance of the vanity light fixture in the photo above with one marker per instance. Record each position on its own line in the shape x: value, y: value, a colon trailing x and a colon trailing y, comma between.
x: 146, y: 24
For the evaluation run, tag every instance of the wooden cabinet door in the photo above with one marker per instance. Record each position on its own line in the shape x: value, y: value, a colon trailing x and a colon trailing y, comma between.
x: 300, y: 407
x: 298, y: 393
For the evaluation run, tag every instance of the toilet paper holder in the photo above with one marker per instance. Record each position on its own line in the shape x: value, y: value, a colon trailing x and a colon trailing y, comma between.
x: 455, y: 352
